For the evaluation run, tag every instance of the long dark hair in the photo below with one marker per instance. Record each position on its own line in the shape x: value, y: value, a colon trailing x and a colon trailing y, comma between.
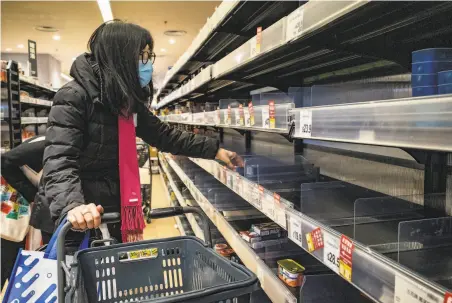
x: 116, y: 47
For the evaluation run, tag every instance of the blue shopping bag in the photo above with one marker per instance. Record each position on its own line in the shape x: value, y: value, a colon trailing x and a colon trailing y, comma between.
x: 34, y: 276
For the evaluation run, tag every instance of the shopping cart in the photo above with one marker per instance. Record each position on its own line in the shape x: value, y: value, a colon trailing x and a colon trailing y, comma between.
x: 179, y: 269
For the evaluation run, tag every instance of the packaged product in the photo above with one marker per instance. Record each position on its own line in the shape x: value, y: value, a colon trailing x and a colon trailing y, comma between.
x: 253, y: 237
x: 290, y: 272
x: 265, y: 229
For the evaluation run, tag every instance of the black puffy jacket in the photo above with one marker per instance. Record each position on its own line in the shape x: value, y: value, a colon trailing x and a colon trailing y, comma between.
x: 81, y: 154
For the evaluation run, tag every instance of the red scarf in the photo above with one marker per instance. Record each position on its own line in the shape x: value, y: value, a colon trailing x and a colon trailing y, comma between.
x: 132, y: 221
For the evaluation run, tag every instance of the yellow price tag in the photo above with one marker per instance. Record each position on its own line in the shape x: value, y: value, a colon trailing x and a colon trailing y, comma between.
x: 345, y: 271
x: 311, y: 247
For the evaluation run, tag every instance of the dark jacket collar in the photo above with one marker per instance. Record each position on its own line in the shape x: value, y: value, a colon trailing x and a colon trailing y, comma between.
x: 85, y: 70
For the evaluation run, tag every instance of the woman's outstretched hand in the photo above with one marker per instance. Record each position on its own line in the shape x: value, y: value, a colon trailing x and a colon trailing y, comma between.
x: 85, y: 216
x: 231, y: 159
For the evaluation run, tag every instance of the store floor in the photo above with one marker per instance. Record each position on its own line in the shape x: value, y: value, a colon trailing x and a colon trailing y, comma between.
x: 159, y: 228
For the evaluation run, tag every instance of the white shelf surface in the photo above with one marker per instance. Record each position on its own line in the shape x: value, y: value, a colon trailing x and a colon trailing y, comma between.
x: 220, y: 14
x: 371, y: 272
x: 35, y: 101
x: 271, y: 284
x: 421, y: 123
x: 34, y: 120
x: 282, y: 121
x: 35, y: 82
x: 190, y: 217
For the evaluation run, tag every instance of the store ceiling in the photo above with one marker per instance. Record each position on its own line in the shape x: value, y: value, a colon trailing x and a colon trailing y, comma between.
x: 76, y: 20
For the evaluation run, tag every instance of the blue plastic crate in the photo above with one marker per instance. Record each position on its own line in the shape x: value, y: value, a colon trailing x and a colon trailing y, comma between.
x: 445, y: 89
x: 430, y: 67
x: 432, y: 54
x: 445, y: 77
x: 424, y: 91
x: 424, y: 80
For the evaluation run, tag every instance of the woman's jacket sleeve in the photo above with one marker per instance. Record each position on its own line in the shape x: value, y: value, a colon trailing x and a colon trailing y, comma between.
x: 28, y: 153
x: 168, y: 139
x: 64, y: 142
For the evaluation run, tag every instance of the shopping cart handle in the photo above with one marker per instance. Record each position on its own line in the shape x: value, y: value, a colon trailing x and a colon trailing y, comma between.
x: 166, y: 212
x: 158, y: 213
x: 109, y: 218
x: 105, y: 218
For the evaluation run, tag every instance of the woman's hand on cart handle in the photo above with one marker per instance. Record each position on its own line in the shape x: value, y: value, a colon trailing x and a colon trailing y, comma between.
x: 85, y: 216
x: 231, y: 159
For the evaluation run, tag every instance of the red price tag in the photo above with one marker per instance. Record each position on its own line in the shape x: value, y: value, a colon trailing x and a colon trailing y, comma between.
x: 448, y: 298
x: 345, y: 257
x: 271, y: 113
x: 315, y: 239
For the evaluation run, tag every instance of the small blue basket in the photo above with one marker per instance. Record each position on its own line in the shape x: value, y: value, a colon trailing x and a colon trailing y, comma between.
x: 445, y: 89
x: 424, y: 80
x: 445, y: 77
x: 432, y: 54
x: 430, y: 67
x: 424, y: 91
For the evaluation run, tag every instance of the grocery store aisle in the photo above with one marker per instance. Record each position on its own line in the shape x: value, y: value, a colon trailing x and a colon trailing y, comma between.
x: 159, y: 228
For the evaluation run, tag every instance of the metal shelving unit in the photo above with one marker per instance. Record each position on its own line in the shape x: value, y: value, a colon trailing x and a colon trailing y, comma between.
x: 190, y: 217
x: 415, y: 123
x: 382, y: 193
x: 12, y: 116
x: 323, y: 42
x: 272, y: 285
x: 372, y: 273
x: 232, y: 23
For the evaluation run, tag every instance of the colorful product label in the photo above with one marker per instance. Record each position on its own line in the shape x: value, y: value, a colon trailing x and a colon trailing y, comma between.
x: 242, y: 116
x: 136, y: 255
x: 346, y: 257
x: 13, y: 204
x: 271, y: 110
x: 251, y: 113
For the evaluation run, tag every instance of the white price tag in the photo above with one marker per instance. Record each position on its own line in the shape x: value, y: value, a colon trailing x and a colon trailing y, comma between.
x: 280, y: 215
x: 410, y: 291
x: 265, y: 117
x: 331, y: 252
x: 268, y: 206
x: 253, y: 46
x: 238, y: 185
x: 251, y: 192
x: 295, y: 24
x: 229, y: 179
x: 306, y: 123
x: 295, y: 233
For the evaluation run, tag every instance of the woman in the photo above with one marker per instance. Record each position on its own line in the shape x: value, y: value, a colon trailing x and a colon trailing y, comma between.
x: 18, y: 167
x: 81, y: 175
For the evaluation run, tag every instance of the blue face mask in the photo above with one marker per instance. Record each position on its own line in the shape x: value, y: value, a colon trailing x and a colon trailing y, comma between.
x: 145, y: 72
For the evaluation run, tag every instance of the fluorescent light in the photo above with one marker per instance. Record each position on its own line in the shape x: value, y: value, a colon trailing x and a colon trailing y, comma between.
x: 105, y: 10
x: 172, y: 41
x: 56, y: 37
x: 163, y: 50
x: 20, y: 46
x: 66, y: 77
x: 9, y: 49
